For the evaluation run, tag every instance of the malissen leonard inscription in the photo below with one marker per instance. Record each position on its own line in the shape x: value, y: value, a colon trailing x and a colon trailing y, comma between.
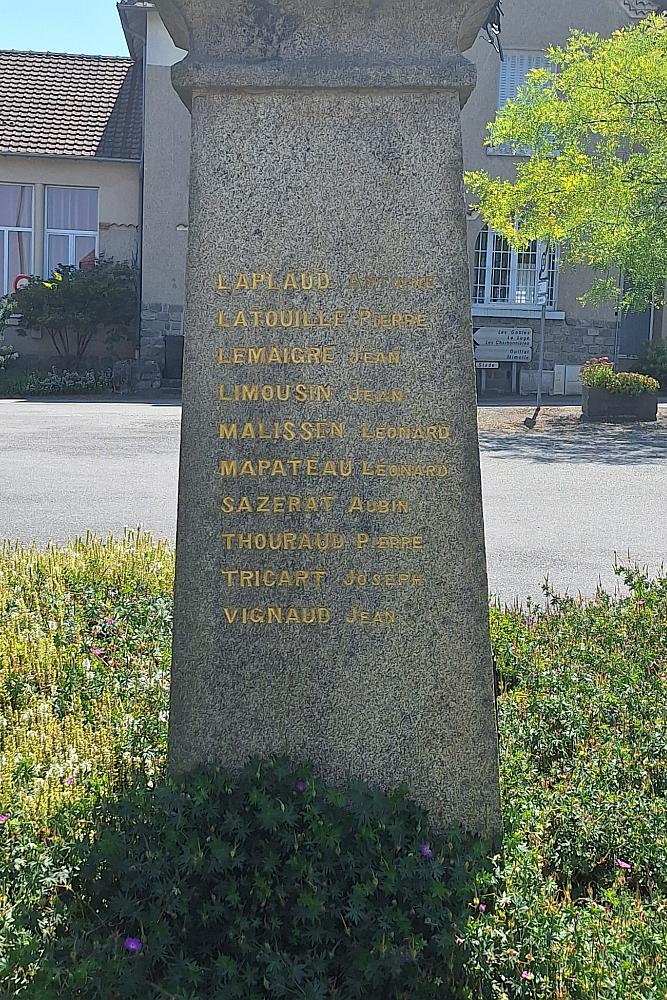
x: 253, y: 481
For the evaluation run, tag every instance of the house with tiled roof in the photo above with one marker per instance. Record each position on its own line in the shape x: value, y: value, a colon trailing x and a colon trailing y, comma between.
x: 95, y: 156
x: 504, y: 282
x: 70, y: 178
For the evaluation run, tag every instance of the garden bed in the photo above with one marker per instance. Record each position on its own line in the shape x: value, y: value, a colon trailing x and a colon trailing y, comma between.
x: 573, y: 907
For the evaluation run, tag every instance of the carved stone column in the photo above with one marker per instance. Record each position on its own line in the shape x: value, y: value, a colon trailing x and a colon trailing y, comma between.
x: 331, y: 594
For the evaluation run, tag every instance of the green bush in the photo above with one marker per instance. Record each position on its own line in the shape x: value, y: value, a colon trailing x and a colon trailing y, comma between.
x: 599, y: 374
x: 265, y: 885
x: 222, y: 880
x: 65, y: 383
x: 75, y: 304
x: 653, y: 361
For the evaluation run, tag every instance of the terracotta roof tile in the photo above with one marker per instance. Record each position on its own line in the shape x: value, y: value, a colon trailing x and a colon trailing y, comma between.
x: 70, y: 105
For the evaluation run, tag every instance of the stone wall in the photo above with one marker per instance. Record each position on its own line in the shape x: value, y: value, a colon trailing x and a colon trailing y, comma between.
x: 564, y: 343
x: 158, y: 320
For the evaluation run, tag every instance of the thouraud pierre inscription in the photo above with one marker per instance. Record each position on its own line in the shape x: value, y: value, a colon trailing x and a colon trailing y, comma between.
x: 331, y: 595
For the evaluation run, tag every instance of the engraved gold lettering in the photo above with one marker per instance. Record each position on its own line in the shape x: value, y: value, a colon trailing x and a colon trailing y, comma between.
x: 388, y: 581
x: 366, y: 318
x: 277, y: 616
x: 283, y: 541
x: 270, y: 578
x: 274, y: 355
x: 383, y: 470
x: 359, y: 505
x: 284, y: 319
x: 394, y: 432
x: 360, y: 616
x: 360, y: 394
x: 286, y: 468
x: 359, y: 357
x: 289, y: 431
x: 393, y: 543
x: 300, y: 393
x: 277, y: 505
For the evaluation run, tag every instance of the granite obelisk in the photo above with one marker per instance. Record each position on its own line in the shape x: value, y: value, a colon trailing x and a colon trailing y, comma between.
x: 331, y: 591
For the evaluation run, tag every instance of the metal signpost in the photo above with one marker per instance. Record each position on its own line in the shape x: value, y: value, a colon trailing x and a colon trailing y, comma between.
x: 494, y: 344
x: 542, y: 296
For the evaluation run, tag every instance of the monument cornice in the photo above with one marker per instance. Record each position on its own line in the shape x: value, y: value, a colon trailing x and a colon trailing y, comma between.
x: 451, y: 72
x: 324, y: 44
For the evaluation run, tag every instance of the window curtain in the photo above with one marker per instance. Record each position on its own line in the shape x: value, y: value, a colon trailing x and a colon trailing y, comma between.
x: 16, y: 206
x: 72, y: 209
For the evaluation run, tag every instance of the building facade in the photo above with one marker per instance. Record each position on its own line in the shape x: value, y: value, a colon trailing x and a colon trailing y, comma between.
x: 504, y: 281
x: 113, y: 175
x: 70, y: 153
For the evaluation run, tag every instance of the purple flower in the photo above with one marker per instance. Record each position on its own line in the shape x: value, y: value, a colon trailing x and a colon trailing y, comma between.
x: 300, y: 786
x: 482, y: 907
x: 133, y: 945
x: 4, y: 818
x: 425, y: 850
x: 69, y: 781
x: 623, y: 864
x: 96, y: 651
x: 526, y: 975
x: 640, y: 604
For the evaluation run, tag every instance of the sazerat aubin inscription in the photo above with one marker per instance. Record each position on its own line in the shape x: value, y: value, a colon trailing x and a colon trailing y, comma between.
x: 275, y: 587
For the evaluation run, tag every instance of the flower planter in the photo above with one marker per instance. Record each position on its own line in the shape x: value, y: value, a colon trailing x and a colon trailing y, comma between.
x: 602, y: 406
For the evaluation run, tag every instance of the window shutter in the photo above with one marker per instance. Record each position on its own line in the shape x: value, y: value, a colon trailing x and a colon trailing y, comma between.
x: 513, y: 72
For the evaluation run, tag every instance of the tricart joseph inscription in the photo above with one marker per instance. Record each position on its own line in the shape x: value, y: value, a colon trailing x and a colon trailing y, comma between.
x: 331, y: 584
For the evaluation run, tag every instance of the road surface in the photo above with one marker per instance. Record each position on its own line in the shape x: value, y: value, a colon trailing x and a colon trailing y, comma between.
x: 562, y: 505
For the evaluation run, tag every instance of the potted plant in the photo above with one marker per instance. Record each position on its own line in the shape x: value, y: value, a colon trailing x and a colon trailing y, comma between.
x: 608, y: 395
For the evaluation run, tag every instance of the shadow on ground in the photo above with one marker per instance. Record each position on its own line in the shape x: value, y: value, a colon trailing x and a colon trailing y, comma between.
x: 262, y: 885
x: 610, y: 444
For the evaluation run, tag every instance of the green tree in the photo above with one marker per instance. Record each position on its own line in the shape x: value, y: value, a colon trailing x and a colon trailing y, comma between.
x: 75, y: 304
x: 595, y: 181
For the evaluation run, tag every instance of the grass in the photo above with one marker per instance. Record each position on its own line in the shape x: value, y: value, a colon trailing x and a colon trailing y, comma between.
x: 578, y: 904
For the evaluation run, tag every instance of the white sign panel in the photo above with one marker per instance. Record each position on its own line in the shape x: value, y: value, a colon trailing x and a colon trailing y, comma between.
x: 503, y: 352
x: 487, y: 364
x: 497, y: 335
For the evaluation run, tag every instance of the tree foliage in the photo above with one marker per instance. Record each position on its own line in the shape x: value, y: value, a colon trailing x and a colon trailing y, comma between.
x: 595, y: 181
x: 75, y: 303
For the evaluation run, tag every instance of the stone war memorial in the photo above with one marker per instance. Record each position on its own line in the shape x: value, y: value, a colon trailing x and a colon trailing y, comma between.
x: 331, y: 590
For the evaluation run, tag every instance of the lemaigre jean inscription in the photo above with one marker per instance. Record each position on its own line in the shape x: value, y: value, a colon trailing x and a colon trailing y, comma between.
x: 287, y: 318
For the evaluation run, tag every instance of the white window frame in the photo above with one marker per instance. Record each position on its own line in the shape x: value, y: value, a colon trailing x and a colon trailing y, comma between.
x: 4, y: 236
x: 71, y: 233
x: 509, y: 306
x: 508, y: 88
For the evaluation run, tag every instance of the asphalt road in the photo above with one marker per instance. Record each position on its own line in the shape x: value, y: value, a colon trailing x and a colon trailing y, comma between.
x: 560, y: 505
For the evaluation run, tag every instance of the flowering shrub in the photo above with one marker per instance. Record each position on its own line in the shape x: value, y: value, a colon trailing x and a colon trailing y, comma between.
x: 251, y: 887
x: 67, y: 383
x: 116, y: 883
x: 599, y: 373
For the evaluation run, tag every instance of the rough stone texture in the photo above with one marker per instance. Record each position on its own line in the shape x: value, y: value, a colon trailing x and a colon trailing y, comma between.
x: 158, y: 320
x: 122, y: 377
x: 336, y: 181
x: 135, y: 376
